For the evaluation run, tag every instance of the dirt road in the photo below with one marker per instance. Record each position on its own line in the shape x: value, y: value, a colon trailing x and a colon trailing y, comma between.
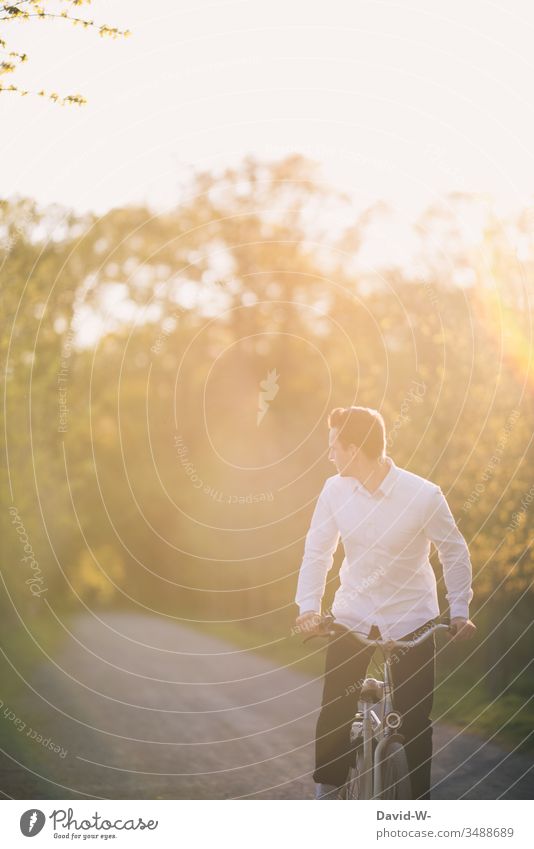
x: 142, y: 707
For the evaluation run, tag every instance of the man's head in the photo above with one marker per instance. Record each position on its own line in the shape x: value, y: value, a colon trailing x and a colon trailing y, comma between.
x: 357, y: 435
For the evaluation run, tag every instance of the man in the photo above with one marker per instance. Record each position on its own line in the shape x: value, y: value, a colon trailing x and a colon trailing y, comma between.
x: 387, y: 518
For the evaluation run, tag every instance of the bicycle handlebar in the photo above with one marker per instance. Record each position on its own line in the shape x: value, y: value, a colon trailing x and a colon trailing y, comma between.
x: 335, y: 627
x: 414, y: 641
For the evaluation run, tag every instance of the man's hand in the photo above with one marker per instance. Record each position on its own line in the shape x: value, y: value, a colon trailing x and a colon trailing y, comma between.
x: 308, y: 623
x: 463, y: 629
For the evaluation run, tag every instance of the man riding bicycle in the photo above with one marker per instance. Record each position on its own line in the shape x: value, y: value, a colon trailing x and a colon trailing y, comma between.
x: 387, y: 518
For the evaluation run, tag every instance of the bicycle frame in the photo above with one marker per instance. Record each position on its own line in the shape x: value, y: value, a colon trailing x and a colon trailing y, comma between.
x: 372, y: 727
x: 386, y: 726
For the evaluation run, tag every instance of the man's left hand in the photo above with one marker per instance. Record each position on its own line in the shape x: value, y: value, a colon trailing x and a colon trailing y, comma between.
x: 463, y: 629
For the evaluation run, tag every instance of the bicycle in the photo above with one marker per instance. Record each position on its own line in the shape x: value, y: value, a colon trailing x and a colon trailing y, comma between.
x: 379, y: 767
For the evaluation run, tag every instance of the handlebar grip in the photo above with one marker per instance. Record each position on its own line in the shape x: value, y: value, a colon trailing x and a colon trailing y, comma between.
x: 329, y: 633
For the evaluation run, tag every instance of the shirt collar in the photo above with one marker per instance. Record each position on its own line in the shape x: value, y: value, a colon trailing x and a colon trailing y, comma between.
x: 391, y: 478
x: 387, y: 484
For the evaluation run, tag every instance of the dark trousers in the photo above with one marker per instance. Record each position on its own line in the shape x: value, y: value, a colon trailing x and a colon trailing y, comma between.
x: 412, y: 671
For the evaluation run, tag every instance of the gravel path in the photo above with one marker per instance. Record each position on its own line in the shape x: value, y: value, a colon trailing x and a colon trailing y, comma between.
x: 145, y: 708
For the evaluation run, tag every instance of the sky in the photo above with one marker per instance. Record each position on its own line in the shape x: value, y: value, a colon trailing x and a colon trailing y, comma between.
x: 400, y: 101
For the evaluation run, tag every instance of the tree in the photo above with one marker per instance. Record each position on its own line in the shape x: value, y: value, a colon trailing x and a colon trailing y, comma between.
x: 226, y: 288
x: 25, y: 10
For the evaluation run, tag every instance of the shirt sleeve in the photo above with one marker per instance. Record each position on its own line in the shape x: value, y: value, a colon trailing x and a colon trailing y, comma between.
x: 321, y: 542
x: 453, y: 553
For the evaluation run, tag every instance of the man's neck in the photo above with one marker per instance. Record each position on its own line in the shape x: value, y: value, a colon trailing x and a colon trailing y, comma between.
x: 371, y: 477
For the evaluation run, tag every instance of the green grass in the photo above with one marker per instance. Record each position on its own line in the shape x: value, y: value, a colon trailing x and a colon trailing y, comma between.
x: 506, y: 719
x: 19, y: 651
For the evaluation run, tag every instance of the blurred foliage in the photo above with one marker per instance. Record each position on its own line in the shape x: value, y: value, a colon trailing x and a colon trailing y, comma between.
x: 135, y: 347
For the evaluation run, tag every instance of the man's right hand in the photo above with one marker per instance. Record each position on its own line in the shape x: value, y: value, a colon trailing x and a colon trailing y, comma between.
x: 308, y: 623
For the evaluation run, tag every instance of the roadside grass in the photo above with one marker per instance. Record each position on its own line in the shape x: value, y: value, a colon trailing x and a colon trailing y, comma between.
x: 18, y: 652
x: 507, y: 719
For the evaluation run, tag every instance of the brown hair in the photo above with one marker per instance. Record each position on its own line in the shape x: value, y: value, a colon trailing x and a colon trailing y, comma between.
x: 362, y: 426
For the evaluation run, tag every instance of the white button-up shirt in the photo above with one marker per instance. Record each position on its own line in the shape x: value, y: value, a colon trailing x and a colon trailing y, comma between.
x: 386, y: 576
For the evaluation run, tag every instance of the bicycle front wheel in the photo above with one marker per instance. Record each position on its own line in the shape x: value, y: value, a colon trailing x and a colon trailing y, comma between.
x: 355, y: 785
x: 360, y: 781
x: 394, y: 775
